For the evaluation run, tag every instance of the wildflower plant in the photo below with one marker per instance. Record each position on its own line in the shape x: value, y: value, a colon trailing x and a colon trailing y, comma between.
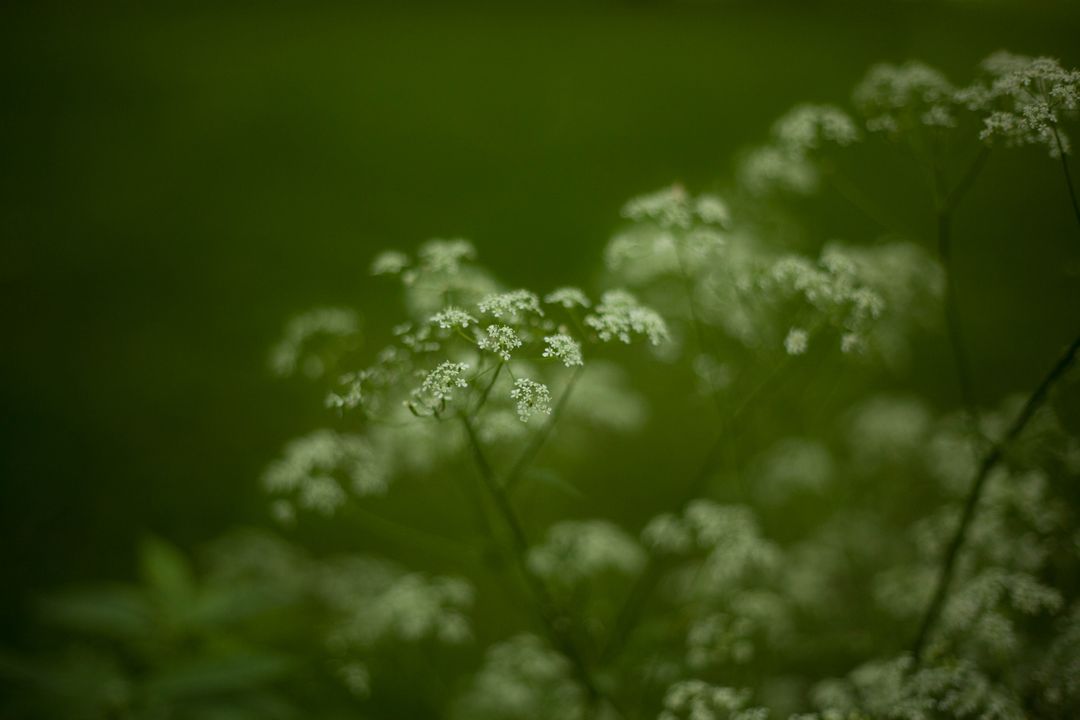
x: 951, y: 523
x: 825, y: 543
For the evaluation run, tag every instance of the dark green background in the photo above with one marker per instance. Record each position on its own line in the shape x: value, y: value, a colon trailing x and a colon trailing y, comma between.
x: 175, y: 182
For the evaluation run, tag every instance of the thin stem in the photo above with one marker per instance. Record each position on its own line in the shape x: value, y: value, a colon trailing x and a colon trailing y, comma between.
x: 695, y: 318
x: 989, y: 462
x: 517, y: 470
x: 967, y: 181
x: 636, y: 600
x: 1068, y: 175
x: 952, y: 320
x: 858, y: 199
x: 486, y: 392
x: 545, y: 605
x: 947, y: 203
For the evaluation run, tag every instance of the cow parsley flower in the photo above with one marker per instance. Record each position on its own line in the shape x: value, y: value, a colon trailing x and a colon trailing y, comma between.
x: 357, y: 678
x: 668, y: 208
x: 526, y: 679
x: 568, y: 297
x: 1027, y: 99
x: 499, y: 339
x: 372, y: 602
x: 512, y: 305
x: 532, y: 398
x: 293, y: 351
x: 445, y: 256
x: 564, y: 348
x: 390, y: 262
x: 787, y: 162
x: 451, y: 318
x: 438, y: 387
x: 575, y: 551
x: 895, y: 98
x: 619, y: 315
x: 698, y: 700
x: 674, y: 208
x: 311, y: 465
x: 796, y: 341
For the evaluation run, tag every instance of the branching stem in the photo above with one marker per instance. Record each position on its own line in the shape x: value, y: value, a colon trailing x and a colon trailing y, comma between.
x: 990, y: 460
x: 551, y: 620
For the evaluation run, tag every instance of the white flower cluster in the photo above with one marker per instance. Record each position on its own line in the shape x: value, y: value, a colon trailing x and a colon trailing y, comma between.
x: 438, y: 387
x: 568, y: 298
x: 451, y: 318
x: 371, y: 602
x: 896, y: 690
x: 673, y: 207
x: 833, y: 289
x: 512, y: 304
x: 1026, y: 98
x: 897, y: 98
x: 532, y: 398
x: 788, y: 162
x: 673, y: 233
x: 523, y: 678
x: 500, y: 340
x: 294, y: 352
x: 728, y: 534
x: 698, y: 700
x: 575, y: 551
x: 620, y: 316
x: 564, y: 348
x: 311, y: 466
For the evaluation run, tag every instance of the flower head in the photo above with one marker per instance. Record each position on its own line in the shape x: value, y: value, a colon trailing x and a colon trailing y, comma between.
x: 499, y: 339
x: 532, y: 398
x: 564, y: 348
x: 620, y: 315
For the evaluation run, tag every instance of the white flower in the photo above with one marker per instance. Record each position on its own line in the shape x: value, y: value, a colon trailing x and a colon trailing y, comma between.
x: 525, y: 679
x: 445, y: 256
x: 511, y: 304
x: 576, y: 550
x: 1027, y: 99
x: 796, y: 341
x: 311, y: 465
x: 390, y: 262
x: 568, y: 297
x: 500, y: 339
x: 698, y: 700
x: 452, y: 317
x: 564, y: 348
x: 668, y: 208
x: 619, y: 315
x: 712, y: 210
x: 438, y: 387
x: 532, y: 398
x: 291, y: 352
x: 894, y: 98
x: 807, y: 127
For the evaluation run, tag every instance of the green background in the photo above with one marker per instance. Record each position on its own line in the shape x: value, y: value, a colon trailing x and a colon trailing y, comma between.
x: 175, y: 181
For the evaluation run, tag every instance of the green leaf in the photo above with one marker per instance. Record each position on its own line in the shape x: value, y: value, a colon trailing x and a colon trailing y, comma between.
x: 166, y: 571
x: 115, y: 612
x: 217, y: 675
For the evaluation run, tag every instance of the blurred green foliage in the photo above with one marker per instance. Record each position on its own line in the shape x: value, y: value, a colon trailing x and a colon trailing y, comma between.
x: 178, y: 180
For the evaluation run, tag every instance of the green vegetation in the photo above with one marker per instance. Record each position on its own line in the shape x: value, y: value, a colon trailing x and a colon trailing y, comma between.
x: 796, y: 435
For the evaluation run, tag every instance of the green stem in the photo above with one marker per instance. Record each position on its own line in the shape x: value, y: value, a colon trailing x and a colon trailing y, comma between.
x: 517, y: 470
x: 636, y: 600
x: 545, y: 605
x: 695, y: 318
x: 1068, y: 175
x: 992, y: 458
